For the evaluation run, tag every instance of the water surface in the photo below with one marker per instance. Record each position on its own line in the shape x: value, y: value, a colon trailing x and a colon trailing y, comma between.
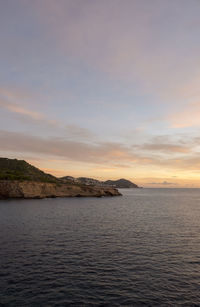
x: 142, y: 249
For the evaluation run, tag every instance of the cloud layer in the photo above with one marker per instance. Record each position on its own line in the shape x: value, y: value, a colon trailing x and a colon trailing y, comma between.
x: 110, y: 86
x: 113, y: 154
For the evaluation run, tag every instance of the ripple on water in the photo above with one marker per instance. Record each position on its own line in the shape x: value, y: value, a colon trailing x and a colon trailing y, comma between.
x: 141, y: 249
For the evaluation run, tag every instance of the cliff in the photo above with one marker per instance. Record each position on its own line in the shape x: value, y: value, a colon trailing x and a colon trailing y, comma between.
x: 33, y: 189
x: 19, y: 179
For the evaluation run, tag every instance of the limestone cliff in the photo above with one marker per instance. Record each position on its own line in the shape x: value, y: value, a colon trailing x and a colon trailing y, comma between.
x: 32, y: 189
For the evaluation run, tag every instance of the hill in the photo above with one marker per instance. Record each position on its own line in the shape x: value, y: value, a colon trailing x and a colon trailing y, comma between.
x: 13, y: 169
x: 120, y: 183
x: 19, y: 179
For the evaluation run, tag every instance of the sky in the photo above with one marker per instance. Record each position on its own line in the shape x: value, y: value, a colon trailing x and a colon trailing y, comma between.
x: 106, y: 89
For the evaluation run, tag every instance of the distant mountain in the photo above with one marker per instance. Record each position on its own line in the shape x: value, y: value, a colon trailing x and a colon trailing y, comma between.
x: 121, y: 183
x: 13, y: 169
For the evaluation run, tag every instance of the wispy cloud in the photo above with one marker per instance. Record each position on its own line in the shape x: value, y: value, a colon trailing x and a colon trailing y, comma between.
x: 10, y: 101
x: 77, y: 131
x: 14, y: 108
x: 167, y: 148
x: 163, y: 183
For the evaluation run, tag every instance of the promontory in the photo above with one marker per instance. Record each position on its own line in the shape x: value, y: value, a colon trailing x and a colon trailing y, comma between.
x: 19, y: 179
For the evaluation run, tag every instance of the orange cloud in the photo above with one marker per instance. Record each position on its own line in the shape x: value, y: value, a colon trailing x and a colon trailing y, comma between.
x: 107, y: 154
x: 23, y: 111
x: 10, y: 101
x: 167, y: 148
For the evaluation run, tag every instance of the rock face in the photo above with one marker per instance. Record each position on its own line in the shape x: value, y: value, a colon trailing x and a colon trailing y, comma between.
x: 30, y: 189
x: 19, y: 179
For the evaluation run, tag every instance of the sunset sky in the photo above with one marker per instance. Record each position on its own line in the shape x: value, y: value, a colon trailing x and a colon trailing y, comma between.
x: 102, y: 88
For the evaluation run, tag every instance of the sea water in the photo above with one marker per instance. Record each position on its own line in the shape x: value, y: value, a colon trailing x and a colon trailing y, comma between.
x: 141, y: 249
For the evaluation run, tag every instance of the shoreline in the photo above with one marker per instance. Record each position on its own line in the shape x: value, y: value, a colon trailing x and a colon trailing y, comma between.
x: 38, y: 190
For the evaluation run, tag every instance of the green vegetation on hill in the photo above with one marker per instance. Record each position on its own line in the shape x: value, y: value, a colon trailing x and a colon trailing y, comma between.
x: 13, y: 169
x: 121, y: 183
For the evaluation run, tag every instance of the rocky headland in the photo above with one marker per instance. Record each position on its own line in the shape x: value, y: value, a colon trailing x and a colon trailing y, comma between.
x: 33, y: 189
x: 19, y: 179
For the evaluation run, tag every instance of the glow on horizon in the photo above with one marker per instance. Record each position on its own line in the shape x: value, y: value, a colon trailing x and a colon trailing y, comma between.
x: 103, y: 89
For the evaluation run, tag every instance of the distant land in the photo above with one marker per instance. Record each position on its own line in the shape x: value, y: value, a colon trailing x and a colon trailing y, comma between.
x: 120, y: 183
x: 19, y: 179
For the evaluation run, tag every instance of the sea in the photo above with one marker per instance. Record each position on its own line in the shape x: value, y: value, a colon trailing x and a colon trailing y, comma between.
x: 141, y: 249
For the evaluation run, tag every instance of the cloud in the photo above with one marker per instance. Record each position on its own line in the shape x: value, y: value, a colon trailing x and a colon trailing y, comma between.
x: 108, y: 154
x: 166, y: 148
x: 10, y: 101
x: 169, y: 144
x: 104, y: 153
x: 76, y: 131
x: 163, y: 183
x: 61, y: 147
x: 14, y: 108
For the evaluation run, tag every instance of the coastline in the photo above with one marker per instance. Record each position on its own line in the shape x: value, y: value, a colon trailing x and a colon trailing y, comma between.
x: 33, y: 189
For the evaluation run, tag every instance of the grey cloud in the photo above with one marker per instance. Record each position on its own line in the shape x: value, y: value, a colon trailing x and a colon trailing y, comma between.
x: 76, y: 131
x: 163, y: 183
x: 96, y: 153
x: 167, y: 148
x: 169, y: 144
x: 110, y: 153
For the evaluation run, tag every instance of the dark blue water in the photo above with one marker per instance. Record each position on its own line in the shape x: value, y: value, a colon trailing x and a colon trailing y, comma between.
x: 142, y: 249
